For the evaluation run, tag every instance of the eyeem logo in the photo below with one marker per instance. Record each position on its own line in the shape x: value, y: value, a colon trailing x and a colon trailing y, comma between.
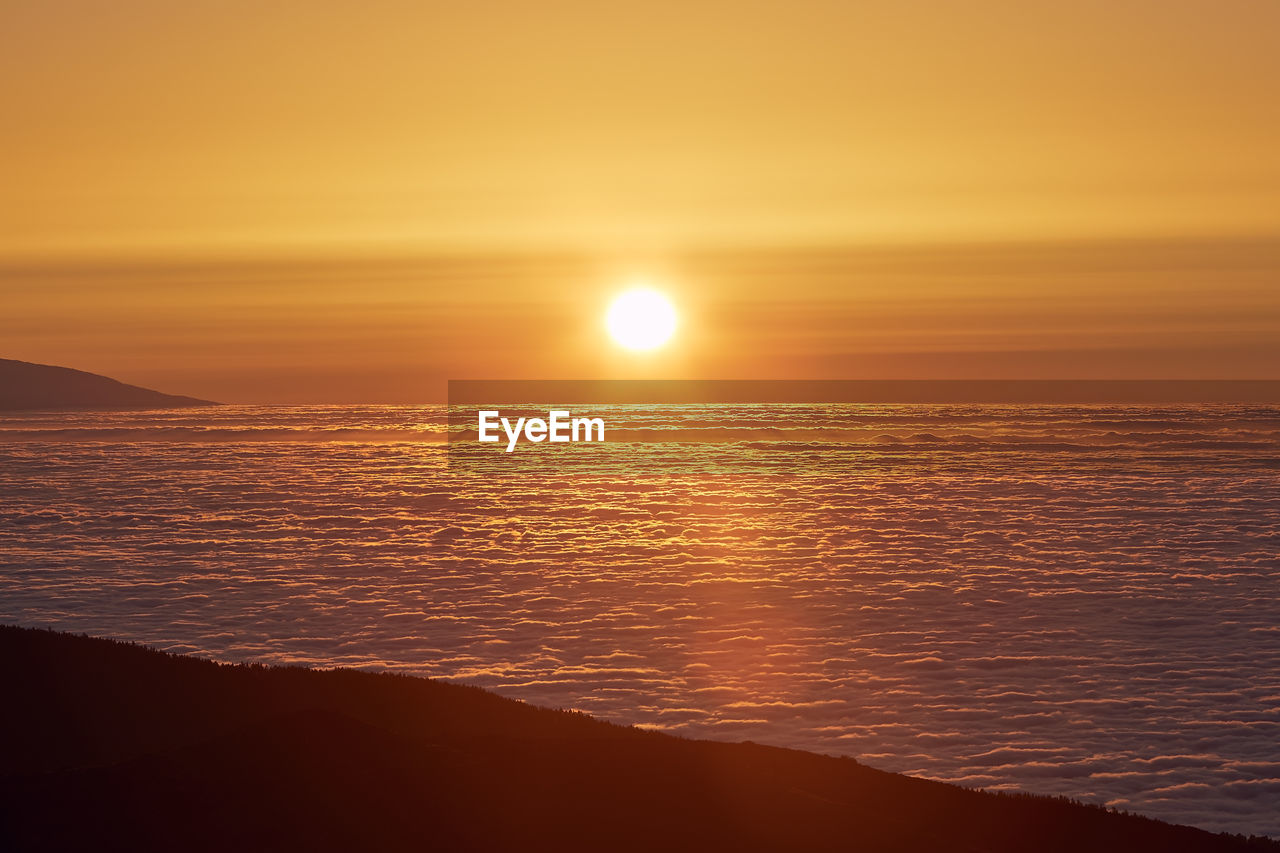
x: 560, y: 426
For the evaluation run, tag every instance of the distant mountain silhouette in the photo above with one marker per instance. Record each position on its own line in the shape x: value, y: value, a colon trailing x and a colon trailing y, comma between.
x: 110, y: 746
x: 41, y: 386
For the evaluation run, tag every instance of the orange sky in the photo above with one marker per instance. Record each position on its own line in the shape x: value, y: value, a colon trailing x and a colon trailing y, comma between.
x: 389, y: 330
x: 332, y: 200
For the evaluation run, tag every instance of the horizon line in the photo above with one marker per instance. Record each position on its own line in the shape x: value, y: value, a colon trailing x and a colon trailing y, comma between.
x: 623, y: 391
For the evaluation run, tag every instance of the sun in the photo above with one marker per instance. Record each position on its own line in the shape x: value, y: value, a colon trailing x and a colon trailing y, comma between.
x: 641, y: 319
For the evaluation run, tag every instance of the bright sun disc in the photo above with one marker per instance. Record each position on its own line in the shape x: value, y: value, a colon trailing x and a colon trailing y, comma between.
x: 641, y: 319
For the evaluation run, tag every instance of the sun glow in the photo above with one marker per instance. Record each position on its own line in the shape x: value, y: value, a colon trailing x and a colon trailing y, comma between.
x: 641, y: 319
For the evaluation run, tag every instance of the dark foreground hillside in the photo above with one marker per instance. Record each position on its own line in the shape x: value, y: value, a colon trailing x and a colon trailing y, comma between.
x: 109, y: 746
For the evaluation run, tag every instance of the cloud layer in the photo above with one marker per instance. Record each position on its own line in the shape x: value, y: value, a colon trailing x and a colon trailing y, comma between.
x: 1076, y: 601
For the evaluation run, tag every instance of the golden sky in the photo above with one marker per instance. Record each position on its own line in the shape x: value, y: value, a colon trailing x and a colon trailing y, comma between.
x: 150, y: 123
x: 244, y: 186
x: 394, y: 330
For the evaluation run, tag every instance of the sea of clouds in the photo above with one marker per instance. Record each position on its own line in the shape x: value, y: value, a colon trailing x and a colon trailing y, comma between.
x: 1074, y: 600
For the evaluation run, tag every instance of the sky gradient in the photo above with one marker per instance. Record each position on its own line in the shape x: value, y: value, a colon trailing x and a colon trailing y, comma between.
x: 395, y: 330
x: 330, y: 202
x: 145, y: 124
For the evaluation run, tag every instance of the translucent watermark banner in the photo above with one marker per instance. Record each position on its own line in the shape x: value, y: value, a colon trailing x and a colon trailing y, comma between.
x: 632, y: 427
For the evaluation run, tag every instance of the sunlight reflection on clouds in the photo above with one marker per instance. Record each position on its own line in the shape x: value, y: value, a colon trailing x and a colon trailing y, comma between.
x: 1077, y: 601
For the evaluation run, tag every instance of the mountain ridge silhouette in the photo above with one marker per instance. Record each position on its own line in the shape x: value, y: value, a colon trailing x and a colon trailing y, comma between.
x: 26, y: 386
x: 115, y: 746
